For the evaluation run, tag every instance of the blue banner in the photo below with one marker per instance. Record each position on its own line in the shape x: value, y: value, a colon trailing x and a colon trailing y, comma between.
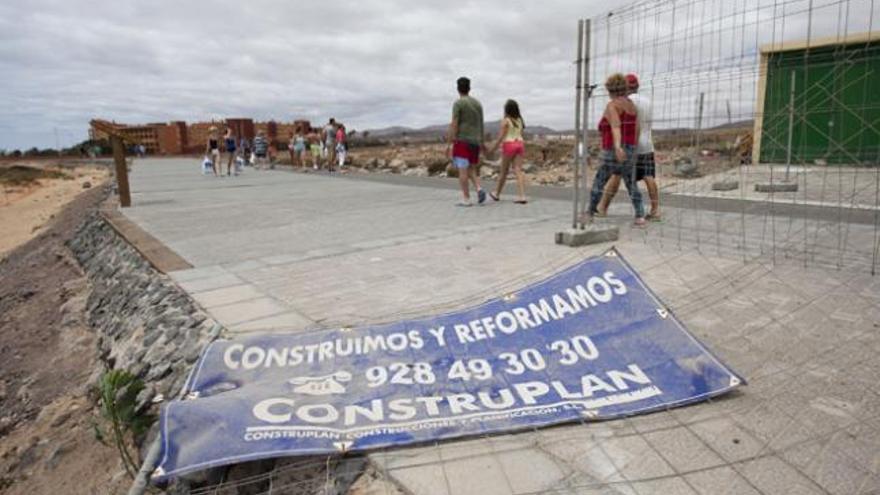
x: 589, y: 343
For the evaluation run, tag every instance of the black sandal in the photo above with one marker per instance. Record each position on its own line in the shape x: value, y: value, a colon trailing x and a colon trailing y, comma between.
x: 493, y: 196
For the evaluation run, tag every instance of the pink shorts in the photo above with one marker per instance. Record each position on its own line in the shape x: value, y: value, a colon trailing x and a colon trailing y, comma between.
x: 511, y: 149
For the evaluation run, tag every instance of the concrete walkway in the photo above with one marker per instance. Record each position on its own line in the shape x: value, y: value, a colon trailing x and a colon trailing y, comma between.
x: 275, y: 250
x: 284, y: 251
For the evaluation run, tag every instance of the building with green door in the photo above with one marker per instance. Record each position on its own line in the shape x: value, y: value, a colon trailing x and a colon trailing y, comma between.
x: 819, y: 102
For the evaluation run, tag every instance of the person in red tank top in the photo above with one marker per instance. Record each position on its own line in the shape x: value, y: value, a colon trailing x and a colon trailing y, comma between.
x: 619, y: 130
x: 645, y: 166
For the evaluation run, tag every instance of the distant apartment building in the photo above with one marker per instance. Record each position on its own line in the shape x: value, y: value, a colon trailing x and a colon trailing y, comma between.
x: 178, y: 137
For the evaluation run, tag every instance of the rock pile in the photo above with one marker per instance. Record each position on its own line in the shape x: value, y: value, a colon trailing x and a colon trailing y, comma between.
x: 550, y: 163
x: 686, y: 167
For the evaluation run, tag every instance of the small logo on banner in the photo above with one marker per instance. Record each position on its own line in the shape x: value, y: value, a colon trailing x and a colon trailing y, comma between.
x: 320, y: 385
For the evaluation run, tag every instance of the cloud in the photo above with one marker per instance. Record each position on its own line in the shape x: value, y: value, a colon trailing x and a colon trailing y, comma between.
x: 369, y: 63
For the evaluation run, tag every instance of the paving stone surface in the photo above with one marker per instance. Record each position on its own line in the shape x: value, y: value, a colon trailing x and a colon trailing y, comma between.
x: 790, y: 304
x: 832, y: 186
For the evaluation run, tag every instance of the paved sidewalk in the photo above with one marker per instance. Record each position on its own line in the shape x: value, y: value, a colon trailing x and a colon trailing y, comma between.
x: 832, y: 186
x: 278, y: 250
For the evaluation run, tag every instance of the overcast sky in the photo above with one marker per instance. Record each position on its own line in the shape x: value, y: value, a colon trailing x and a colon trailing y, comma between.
x: 369, y: 63
x: 376, y: 63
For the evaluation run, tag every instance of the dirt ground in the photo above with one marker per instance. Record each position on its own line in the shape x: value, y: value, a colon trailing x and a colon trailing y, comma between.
x: 32, y: 193
x: 47, y: 354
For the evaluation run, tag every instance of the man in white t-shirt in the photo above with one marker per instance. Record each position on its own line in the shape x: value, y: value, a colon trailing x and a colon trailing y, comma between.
x: 328, y: 138
x: 645, y: 168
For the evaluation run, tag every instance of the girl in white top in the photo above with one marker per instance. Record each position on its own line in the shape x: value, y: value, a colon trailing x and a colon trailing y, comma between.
x: 513, y: 150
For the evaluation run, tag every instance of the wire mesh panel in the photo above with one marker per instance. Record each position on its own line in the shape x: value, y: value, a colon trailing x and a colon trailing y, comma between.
x: 768, y: 107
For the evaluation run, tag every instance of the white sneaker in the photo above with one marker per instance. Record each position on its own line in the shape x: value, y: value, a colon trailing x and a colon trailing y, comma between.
x: 464, y: 203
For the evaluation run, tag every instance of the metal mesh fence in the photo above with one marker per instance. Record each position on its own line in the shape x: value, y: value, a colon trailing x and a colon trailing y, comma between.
x: 766, y: 107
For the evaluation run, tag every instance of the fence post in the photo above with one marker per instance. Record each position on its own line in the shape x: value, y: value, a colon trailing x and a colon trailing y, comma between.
x: 790, y: 126
x: 584, y: 147
x: 121, y: 171
x: 577, y: 122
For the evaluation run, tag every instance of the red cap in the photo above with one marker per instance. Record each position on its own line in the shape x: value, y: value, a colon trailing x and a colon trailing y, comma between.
x: 632, y: 81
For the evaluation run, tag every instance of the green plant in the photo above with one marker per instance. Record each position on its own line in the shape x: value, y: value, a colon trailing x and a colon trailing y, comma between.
x: 118, y: 395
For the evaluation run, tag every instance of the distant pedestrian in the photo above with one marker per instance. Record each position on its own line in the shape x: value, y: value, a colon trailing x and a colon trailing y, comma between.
x: 229, y: 149
x: 261, y: 150
x: 619, y: 129
x: 212, y: 149
x: 291, y: 142
x: 299, y: 146
x: 273, y: 155
x: 328, y: 138
x: 466, y: 140
x: 645, y: 168
x: 510, y: 138
x: 341, y: 145
x: 314, y: 140
x: 245, y: 149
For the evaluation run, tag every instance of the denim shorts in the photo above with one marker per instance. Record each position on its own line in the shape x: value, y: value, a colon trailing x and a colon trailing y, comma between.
x: 461, y: 162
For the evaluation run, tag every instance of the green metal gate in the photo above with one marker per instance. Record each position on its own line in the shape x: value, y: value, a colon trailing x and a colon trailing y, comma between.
x: 835, y: 115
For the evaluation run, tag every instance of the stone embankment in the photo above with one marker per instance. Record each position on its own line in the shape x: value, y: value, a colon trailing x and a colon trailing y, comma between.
x: 143, y: 322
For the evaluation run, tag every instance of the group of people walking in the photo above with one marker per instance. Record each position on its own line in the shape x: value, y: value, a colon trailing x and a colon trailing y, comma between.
x: 466, y: 141
x: 627, y: 148
x: 234, y: 152
x: 327, y: 146
x: 626, y: 138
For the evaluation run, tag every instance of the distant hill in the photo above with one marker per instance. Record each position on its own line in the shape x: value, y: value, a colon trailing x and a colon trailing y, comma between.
x: 389, y: 131
x: 439, y: 130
